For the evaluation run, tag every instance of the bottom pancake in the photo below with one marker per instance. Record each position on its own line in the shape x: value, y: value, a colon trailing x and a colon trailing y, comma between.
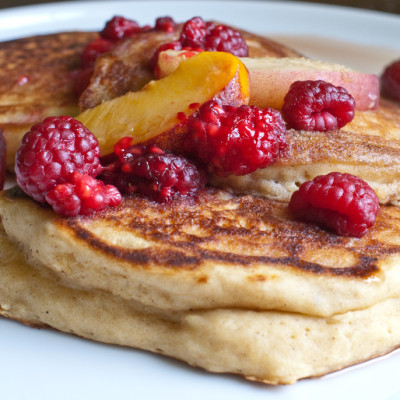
x: 271, y: 347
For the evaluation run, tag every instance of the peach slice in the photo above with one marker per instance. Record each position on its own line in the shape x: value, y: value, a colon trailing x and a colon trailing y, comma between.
x: 160, y: 109
x: 270, y: 78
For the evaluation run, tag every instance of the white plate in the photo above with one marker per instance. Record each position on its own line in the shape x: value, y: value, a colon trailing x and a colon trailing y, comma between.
x: 41, y: 364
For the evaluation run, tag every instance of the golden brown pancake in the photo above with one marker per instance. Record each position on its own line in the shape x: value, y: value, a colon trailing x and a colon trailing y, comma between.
x: 36, y: 81
x: 227, y: 283
x: 216, y: 251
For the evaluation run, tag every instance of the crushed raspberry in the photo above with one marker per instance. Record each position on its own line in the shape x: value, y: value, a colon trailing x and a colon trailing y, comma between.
x: 343, y: 203
x: 119, y: 28
x: 166, y: 24
x: 235, y: 140
x: 317, y: 106
x: 150, y: 171
x: 83, y: 195
x: 390, y: 80
x: 93, y: 50
x: 51, y: 151
x: 82, y: 79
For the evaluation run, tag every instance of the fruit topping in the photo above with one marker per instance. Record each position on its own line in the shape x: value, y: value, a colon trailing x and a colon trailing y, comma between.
x: 317, y: 106
x: 150, y: 171
x: 155, y: 112
x: 119, y: 28
x: 83, y: 195
x: 271, y: 77
x: 390, y: 80
x: 51, y: 151
x: 197, y: 33
x: 340, y: 202
x: 235, y: 140
x: 93, y: 50
x: 166, y: 24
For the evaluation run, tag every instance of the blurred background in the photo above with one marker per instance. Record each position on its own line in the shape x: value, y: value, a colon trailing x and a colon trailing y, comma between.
x: 391, y: 6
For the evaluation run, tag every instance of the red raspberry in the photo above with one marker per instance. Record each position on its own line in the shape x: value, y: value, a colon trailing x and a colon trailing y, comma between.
x: 317, y: 106
x: 93, y: 50
x: 51, y: 151
x: 343, y: 203
x: 166, y: 24
x: 150, y: 171
x: 119, y: 28
x: 390, y: 80
x: 223, y: 38
x: 193, y: 33
x: 82, y: 196
x: 235, y: 140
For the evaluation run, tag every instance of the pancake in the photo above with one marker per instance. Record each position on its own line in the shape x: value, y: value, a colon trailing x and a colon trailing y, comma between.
x: 36, y: 81
x: 126, y: 67
x: 223, y: 334
x: 368, y: 147
x: 218, y: 251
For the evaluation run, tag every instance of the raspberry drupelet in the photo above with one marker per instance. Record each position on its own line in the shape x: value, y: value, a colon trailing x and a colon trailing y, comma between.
x: 51, y: 151
x: 317, y: 106
x: 160, y: 175
x: 340, y: 202
x: 235, y: 140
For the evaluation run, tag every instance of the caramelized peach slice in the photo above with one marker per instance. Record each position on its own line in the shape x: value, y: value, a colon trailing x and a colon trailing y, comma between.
x: 161, y: 107
x: 270, y: 78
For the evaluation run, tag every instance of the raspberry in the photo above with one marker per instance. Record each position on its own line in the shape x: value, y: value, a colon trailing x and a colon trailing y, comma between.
x: 235, y: 140
x: 93, y: 50
x: 193, y: 33
x: 205, y: 35
x: 51, y: 151
x: 390, y: 80
x: 166, y: 24
x: 150, y: 171
x: 223, y: 38
x: 343, y: 203
x: 317, y: 106
x: 119, y: 28
x: 83, y: 195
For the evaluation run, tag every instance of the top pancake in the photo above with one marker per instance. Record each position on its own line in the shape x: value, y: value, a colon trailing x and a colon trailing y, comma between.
x: 215, y: 251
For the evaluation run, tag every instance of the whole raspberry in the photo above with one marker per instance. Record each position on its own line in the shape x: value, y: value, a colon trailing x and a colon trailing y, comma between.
x: 83, y: 195
x: 93, y: 50
x: 166, y: 24
x: 233, y: 140
x: 193, y: 33
x: 51, y: 151
x: 390, y: 80
x: 223, y: 38
x: 343, y: 203
x: 118, y: 28
x: 148, y: 170
x: 317, y: 106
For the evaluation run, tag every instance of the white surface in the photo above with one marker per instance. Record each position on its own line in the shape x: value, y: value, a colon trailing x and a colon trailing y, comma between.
x: 40, y: 364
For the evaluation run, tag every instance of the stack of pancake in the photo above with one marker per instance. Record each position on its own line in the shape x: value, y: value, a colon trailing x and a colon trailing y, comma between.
x: 227, y: 282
